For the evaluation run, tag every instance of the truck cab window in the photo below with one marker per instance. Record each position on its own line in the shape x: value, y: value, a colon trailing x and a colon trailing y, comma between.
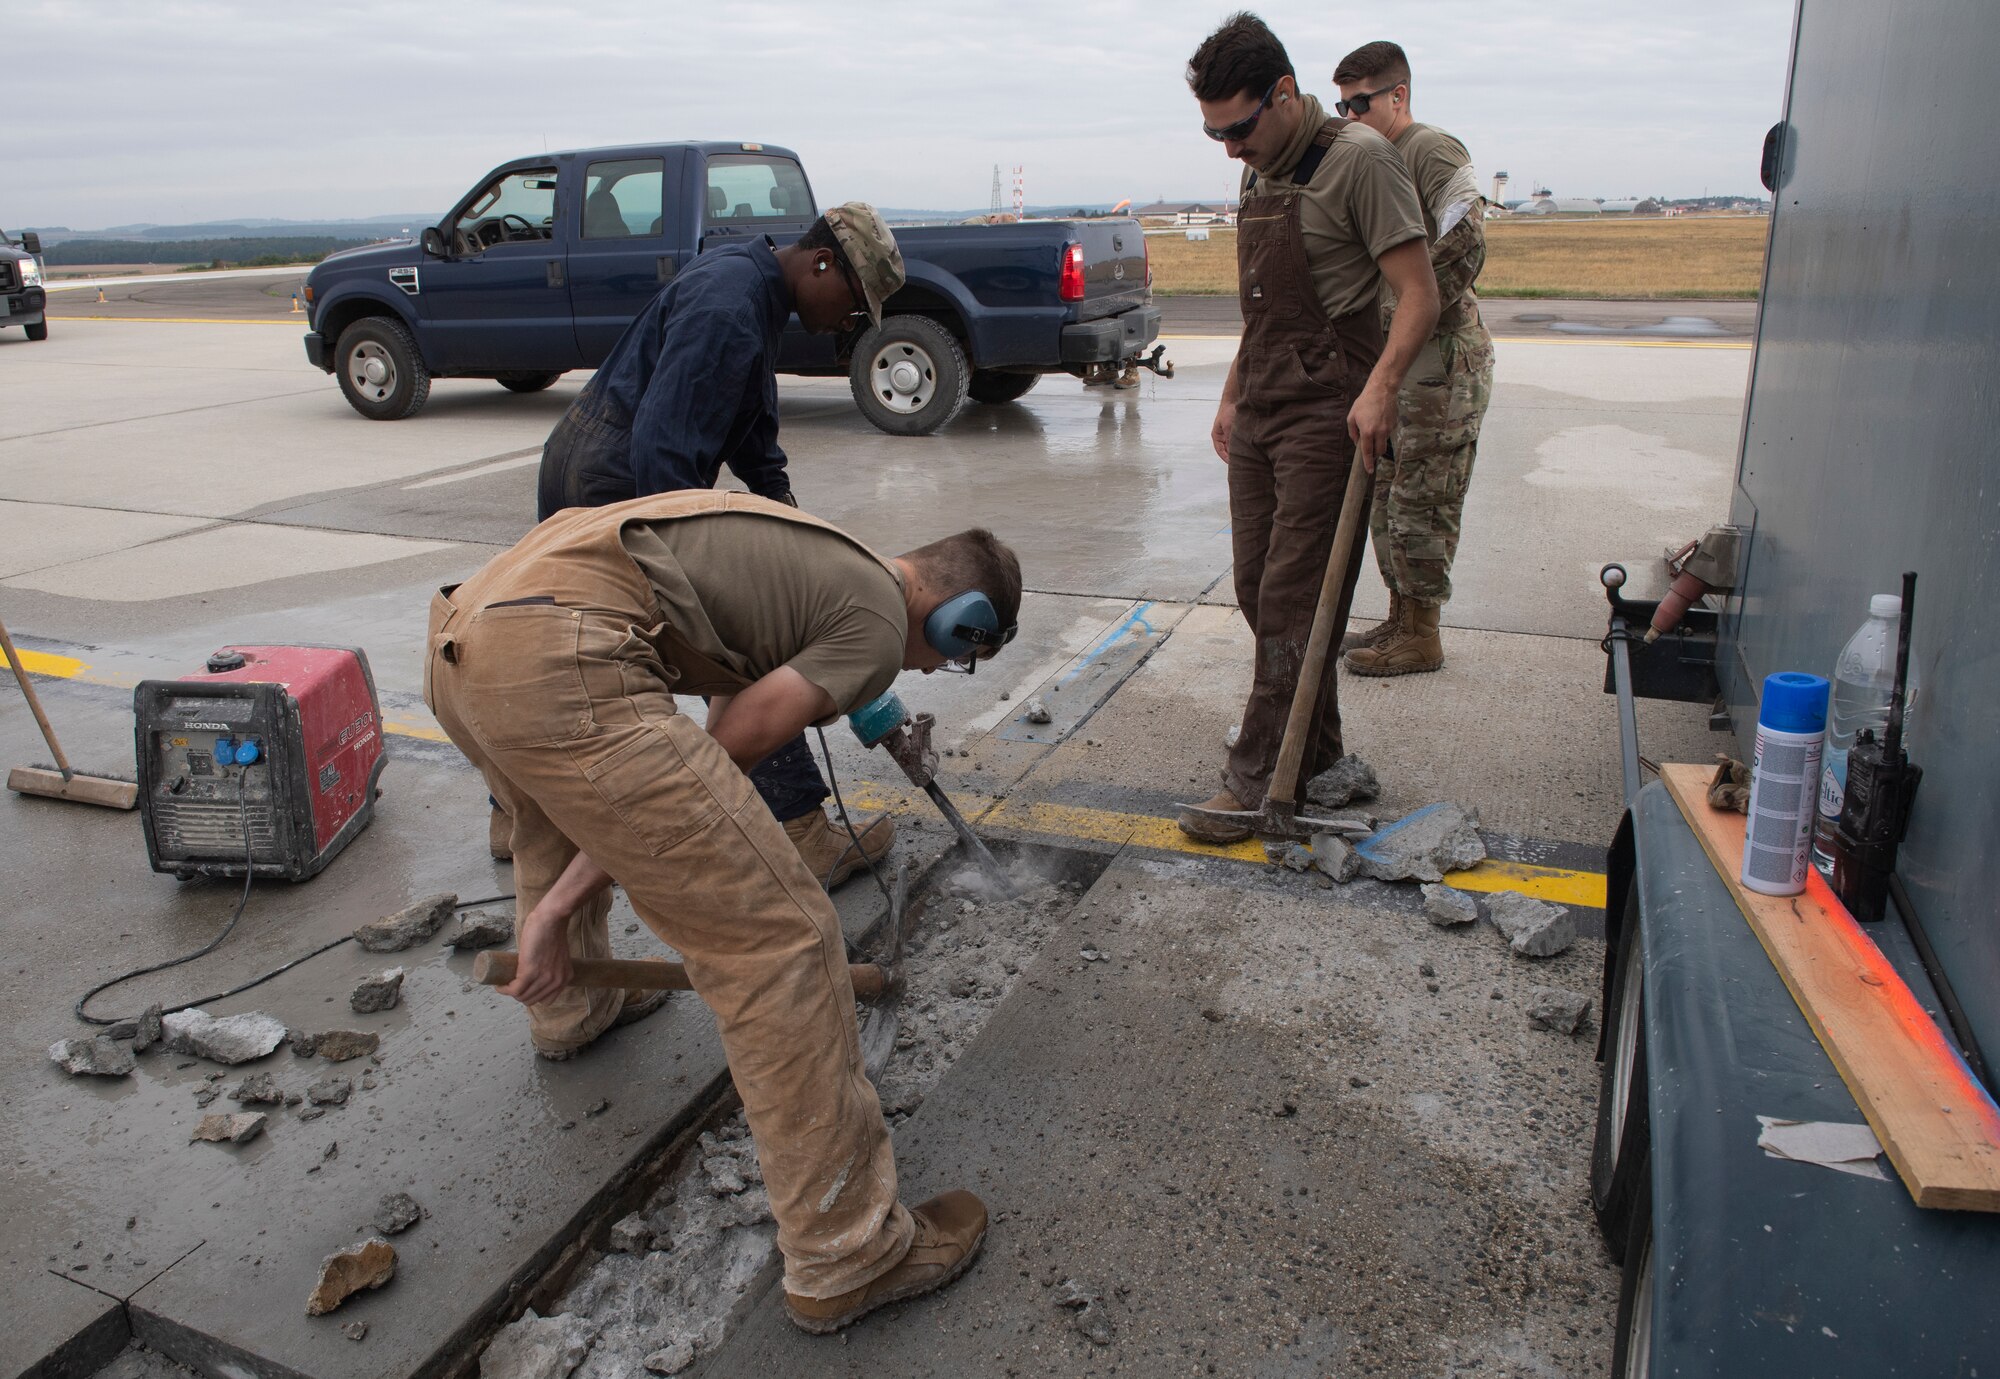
x: 623, y: 199
x: 744, y: 189
x: 517, y: 206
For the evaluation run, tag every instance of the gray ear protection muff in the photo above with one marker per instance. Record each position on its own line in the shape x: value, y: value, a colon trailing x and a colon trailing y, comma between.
x: 965, y: 622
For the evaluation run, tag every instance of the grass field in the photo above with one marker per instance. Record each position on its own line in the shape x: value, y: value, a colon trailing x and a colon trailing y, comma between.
x: 1718, y: 257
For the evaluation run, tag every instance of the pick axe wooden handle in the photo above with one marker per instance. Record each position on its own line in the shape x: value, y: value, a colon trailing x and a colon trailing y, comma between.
x: 651, y: 974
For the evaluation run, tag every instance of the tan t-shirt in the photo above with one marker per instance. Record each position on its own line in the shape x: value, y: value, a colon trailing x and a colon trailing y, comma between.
x: 1434, y: 159
x: 755, y: 593
x: 1359, y: 205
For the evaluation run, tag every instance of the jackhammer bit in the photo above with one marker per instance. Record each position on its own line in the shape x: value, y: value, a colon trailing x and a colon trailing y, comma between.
x: 885, y: 722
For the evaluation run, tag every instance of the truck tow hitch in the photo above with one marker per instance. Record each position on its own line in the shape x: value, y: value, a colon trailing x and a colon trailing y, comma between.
x: 1155, y: 361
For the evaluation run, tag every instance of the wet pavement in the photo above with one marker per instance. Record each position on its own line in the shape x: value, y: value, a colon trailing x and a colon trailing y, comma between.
x: 174, y: 487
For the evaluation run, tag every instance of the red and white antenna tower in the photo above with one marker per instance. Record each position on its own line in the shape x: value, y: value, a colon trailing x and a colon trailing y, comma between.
x: 1020, y: 198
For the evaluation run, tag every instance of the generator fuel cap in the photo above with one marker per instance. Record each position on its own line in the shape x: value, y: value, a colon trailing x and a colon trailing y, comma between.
x: 222, y: 662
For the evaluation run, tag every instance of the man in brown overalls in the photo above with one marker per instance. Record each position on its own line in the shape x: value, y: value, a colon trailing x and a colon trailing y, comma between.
x: 1328, y: 214
x: 554, y: 670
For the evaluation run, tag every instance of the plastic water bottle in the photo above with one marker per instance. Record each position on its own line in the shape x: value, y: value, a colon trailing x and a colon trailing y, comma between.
x: 1864, y: 680
x: 1791, y: 720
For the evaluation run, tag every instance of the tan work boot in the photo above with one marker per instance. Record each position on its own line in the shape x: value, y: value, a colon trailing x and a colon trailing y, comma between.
x: 1206, y: 830
x: 950, y: 1229
x: 638, y: 1005
x: 500, y: 835
x: 829, y: 853
x: 1380, y: 632
x: 1412, y: 650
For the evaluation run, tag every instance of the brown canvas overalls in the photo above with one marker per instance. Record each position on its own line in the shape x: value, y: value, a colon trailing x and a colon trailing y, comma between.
x: 554, y: 672
x: 1297, y: 372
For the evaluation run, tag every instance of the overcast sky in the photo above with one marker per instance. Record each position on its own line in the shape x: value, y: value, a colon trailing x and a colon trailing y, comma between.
x: 172, y: 112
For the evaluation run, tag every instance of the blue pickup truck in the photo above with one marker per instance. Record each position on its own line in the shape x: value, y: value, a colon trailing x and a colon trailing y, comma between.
x: 22, y: 297
x: 539, y: 268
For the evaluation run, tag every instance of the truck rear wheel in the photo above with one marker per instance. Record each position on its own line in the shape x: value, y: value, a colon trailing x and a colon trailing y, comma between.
x: 1619, y: 1155
x: 993, y: 387
x: 909, y: 376
x: 380, y: 371
x: 528, y: 382
x: 1632, y: 1343
x: 38, y: 331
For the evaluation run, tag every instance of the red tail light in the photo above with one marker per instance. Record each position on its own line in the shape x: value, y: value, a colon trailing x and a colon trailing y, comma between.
x: 1072, y: 273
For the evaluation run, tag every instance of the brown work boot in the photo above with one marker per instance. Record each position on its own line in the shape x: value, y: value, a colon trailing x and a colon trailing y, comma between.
x: 1414, y: 648
x: 1380, y: 632
x: 828, y: 852
x: 950, y: 1229
x: 500, y: 835
x: 638, y: 1005
x: 1206, y: 830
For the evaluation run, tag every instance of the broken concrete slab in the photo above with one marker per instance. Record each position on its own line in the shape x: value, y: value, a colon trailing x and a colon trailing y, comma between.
x: 1550, y: 1007
x: 1423, y: 845
x: 1035, y: 711
x: 330, y: 1091
x: 122, y: 1029
x: 630, y: 1234
x: 1344, y: 782
x: 397, y: 1212
x: 150, y: 1031
x: 258, y: 1089
x: 536, y: 1347
x: 231, y: 1039
x: 670, y: 1359
x: 100, y: 1056
x: 1444, y: 906
x: 369, y: 1264
x: 231, y: 1127
x: 477, y: 929
x: 1334, y: 856
x: 409, y: 926
x: 1534, y: 928
x: 383, y: 991
x: 339, y: 1045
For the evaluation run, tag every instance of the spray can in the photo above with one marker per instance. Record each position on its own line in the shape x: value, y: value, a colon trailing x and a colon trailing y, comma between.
x: 1784, y: 783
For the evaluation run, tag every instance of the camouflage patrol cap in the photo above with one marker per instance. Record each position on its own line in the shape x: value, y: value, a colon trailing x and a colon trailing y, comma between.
x: 870, y: 250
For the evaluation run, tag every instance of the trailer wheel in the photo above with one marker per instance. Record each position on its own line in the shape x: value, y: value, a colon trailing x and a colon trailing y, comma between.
x: 1632, y: 1345
x: 380, y: 370
x: 1619, y: 1154
x: 528, y: 382
x: 993, y: 387
x: 909, y: 376
x: 38, y: 331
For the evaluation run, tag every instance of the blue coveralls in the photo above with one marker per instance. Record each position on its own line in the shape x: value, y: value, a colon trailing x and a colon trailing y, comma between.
x: 691, y: 386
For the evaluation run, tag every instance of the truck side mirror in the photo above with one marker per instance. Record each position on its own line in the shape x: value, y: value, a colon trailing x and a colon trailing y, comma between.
x: 433, y: 242
x: 31, y: 241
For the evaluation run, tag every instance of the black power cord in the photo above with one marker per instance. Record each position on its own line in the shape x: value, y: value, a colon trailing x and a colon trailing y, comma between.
x: 854, y: 839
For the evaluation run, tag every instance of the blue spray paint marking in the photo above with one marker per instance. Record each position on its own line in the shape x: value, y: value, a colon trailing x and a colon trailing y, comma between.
x: 1368, y: 847
x: 1136, y: 629
x: 1111, y: 639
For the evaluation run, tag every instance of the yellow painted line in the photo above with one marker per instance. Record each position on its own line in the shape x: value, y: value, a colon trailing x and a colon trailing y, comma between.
x: 183, y: 320
x: 59, y: 667
x: 424, y: 729
x: 1558, y: 884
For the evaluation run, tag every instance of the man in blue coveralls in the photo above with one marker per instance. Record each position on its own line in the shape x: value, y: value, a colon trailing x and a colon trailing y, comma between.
x: 692, y: 386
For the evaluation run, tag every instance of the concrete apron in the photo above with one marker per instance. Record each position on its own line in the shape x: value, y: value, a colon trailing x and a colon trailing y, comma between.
x: 1258, y: 1145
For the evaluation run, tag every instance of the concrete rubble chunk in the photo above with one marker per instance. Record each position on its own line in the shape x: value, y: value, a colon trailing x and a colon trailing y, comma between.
x: 1445, y: 907
x: 368, y: 1264
x: 355, y: 1331
x: 122, y: 1029
x: 1290, y: 856
x: 477, y: 929
x: 409, y: 926
x: 1233, y: 736
x: 1423, y: 845
x: 536, y: 1347
x: 1334, y: 856
x: 631, y: 1234
x: 330, y: 1091
x: 1534, y: 928
x: 230, y: 1127
x: 231, y: 1039
x: 150, y: 1030
x: 725, y: 1175
x: 1085, y: 1304
x: 1550, y: 1007
x: 258, y: 1089
x: 670, y: 1359
x: 1342, y: 783
x: 397, y: 1212
x: 383, y: 991
x: 339, y: 1045
x: 99, y: 1056
x: 1035, y: 711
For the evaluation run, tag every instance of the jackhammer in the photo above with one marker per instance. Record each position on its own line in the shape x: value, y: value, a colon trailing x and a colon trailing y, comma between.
x: 887, y: 723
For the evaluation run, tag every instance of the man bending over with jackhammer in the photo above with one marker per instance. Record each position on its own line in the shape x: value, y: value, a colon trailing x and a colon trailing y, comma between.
x: 554, y: 669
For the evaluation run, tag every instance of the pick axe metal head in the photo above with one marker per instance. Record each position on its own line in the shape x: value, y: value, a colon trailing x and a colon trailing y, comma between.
x: 1280, y: 820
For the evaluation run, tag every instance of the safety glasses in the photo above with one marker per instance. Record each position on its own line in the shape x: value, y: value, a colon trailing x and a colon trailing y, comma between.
x: 1240, y: 131
x: 1358, y: 103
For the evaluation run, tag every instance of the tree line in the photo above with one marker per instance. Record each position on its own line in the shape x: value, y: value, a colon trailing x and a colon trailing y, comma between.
x: 242, y: 252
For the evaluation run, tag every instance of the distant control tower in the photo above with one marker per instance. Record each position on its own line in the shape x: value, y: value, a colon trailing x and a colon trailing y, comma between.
x: 1499, y: 188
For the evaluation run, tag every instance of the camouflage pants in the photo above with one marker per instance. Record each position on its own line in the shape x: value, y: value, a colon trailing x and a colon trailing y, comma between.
x: 1420, y: 493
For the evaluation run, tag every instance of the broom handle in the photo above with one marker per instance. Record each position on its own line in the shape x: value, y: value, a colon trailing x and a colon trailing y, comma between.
x: 35, y: 703
x: 1283, y: 785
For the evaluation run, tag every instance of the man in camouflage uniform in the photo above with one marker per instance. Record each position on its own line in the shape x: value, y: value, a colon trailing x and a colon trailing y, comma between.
x: 1420, y: 490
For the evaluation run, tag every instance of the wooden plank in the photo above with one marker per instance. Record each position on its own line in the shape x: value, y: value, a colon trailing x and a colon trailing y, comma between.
x: 1938, y: 1125
x: 78, y: 789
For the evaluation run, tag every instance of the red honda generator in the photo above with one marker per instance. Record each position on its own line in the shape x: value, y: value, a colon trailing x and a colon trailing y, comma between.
x: 267, y: 764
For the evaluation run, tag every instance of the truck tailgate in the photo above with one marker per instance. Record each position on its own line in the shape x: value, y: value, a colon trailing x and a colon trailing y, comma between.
x: 1114, y: 266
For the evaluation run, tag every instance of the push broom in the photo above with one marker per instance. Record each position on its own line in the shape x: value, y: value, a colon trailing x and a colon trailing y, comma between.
x: 63, y: 783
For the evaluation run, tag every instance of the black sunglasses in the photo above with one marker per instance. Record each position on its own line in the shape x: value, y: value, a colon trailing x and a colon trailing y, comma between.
x: 1358, y: 104
x: 1240, y: 131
